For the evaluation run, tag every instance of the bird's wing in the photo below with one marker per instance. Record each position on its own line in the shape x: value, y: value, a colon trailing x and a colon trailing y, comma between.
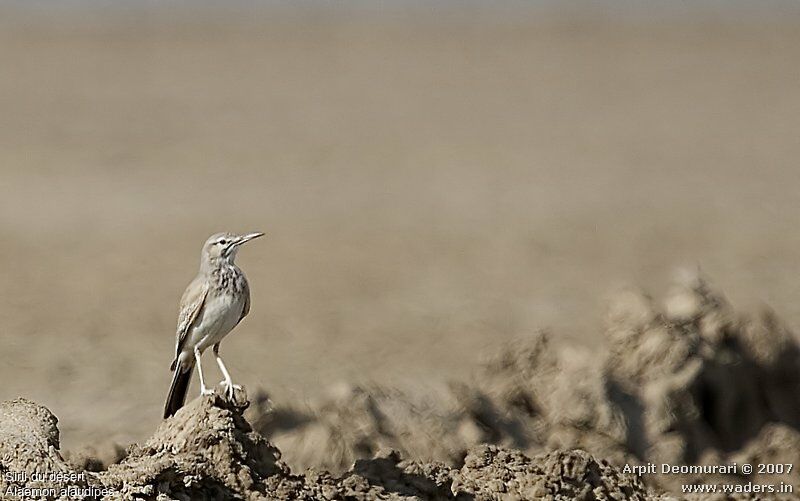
x: 246, y: 308
x: 191, y: 303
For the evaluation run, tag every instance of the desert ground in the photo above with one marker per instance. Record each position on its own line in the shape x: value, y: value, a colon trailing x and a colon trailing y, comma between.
x: 433, y: 182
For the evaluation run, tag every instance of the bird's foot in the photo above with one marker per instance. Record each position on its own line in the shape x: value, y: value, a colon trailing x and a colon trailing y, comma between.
x: 230, y: 389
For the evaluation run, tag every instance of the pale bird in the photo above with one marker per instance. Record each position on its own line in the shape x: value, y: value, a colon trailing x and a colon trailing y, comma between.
x: 212, y: 305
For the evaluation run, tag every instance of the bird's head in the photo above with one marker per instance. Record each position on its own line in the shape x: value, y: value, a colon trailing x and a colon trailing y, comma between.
x: 223, y: 246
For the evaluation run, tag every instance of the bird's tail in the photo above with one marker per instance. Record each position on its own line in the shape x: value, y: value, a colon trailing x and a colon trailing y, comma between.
x: 177, y: 389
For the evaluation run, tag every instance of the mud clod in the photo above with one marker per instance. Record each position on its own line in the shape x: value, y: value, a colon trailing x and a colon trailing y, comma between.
x: 29, y: 450
x: 491, y: 473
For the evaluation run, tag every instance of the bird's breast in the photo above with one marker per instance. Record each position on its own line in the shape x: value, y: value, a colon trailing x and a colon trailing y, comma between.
x: 220, y: 314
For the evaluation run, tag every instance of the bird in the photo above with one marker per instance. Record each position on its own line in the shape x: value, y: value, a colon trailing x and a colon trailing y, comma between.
x: 212, y: 305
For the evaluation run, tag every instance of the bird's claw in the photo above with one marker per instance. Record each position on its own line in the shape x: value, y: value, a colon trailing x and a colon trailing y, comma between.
x: 230, y: 389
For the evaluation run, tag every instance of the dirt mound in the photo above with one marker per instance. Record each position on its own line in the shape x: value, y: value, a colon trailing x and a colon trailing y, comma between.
x: 31, y: 465
x: 208, y: 451
x: 690, y: 382
x: 209, y: 445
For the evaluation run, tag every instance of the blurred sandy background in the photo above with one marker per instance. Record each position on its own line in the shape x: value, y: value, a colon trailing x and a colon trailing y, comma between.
x: 432, y: 179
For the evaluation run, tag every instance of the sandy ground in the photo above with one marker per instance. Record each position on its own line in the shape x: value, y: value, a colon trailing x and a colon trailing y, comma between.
x: 686, y: 381
x: 431, y: 186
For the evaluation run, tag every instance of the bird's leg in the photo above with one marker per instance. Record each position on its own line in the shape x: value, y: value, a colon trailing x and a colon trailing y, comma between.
x: 203, y: 389
x: 228, y: 382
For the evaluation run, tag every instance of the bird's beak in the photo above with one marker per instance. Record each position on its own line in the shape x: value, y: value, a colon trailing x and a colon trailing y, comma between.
x: 249, y: 236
